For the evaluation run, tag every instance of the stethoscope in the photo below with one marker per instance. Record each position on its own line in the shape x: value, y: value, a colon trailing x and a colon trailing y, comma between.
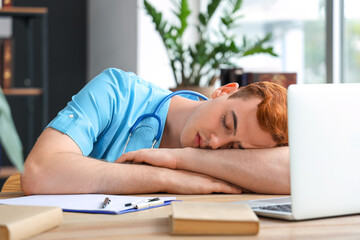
x: 157, y: 117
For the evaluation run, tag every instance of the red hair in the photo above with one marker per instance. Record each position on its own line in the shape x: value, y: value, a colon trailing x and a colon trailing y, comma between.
x: 272, y: 110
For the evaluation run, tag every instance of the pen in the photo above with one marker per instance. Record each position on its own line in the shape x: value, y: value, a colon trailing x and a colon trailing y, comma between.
x: 134, y: 204
x: 149, y: 204
x: 106, y: 202
x: 153, y: 199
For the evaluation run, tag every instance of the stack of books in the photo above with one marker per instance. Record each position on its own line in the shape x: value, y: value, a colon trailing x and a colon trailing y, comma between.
x: 6, y: 54
x: 6, y: 63
x: 6, y: 3
x: 245, y: 78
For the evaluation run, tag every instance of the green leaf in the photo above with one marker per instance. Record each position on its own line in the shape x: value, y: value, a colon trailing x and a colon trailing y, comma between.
x: 257, y: 50
x: 150, y: 10
x: 244, y: 44
x: 160, y: 24
x: 237, y: 5
x: 226, y: 20
x: 215, y: 46
x: 183, y: 14
x: 233, y: 47
x: 211, y: 8
x: 258, y: 47
x: 202, y: 19
x: 9, y: 137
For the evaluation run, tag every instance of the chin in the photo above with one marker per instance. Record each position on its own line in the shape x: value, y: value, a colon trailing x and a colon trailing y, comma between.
x: 185, y: 141
x: 185, y: 144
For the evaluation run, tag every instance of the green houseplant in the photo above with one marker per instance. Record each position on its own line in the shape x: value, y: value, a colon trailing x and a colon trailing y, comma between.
x: 9, y: 138
x: 194, y: 65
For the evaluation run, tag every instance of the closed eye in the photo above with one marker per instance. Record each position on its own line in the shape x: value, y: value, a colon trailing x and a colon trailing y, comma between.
x: 223, y: 120
x: 239, y: 146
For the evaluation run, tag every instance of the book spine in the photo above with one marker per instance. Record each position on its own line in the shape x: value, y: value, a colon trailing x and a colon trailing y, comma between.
x: 7, y: 64
x: 230, y: 75
x: 249, y: 78
x: 283, y: 79
x: 7, y: 3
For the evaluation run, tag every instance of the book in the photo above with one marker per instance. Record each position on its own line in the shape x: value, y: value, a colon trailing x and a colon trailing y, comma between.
x: 283, y: 79
x: 229, y: 75
x: 7, y: 56
x: 244, y: 78
x: 7, y: 3
x: 21, y: 222
x: 204, y: 218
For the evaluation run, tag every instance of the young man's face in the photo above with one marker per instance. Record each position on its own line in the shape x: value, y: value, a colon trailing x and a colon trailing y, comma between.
x: 226, y: 123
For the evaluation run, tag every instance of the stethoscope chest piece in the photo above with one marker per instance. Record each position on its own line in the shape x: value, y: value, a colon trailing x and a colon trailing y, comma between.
x: 141, y: 136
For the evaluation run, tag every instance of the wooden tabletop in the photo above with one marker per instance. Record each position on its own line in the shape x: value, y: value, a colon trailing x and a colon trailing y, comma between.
x: 154, y: 224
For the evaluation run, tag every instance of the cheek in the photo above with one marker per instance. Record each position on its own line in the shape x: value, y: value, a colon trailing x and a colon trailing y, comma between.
x: 202, y: 123
x: 192, y: 126
x: 205, y: 120
x: 185, y: 134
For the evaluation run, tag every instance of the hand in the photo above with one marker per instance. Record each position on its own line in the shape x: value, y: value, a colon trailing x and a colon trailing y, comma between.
x: 164, y: 157
x: 178, y: 181
x: 185, y: 182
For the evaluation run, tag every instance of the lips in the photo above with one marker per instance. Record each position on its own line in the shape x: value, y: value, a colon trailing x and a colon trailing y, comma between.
x: 197, y: 140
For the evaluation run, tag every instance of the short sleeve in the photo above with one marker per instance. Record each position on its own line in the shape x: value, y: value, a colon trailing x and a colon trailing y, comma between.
x: 91, y: 110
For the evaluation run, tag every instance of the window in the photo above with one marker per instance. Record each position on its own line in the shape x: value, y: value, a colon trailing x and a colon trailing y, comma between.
x: 298, y: 37
x: 317, y: 39
x: 351, y: 41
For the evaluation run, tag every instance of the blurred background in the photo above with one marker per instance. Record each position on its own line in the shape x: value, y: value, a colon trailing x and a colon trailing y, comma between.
x: 319, y: 40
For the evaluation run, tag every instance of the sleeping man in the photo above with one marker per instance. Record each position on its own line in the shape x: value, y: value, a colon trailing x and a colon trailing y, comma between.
x: 234, y: 142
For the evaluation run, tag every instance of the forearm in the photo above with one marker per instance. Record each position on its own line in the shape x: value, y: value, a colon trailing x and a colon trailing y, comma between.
x: 258, y: 170
x: 67, y: 173
x: 56, y: 166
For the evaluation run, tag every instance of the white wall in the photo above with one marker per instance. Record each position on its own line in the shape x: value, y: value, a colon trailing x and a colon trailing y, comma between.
x: 153, y: 63
x: 112, y: 35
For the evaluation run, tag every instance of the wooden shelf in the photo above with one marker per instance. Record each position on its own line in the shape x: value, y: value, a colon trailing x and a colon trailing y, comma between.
x: 23, y: 11
x: 23, y: 91
x: 31, y: 95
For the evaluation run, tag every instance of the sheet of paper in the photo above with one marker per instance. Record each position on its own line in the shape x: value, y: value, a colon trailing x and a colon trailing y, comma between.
x: 82, y: 202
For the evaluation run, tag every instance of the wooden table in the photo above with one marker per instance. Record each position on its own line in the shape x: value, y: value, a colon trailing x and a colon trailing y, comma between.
x: 153, y: 224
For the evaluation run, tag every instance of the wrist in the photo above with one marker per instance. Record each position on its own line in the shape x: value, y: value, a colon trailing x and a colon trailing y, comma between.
x: 164, y: 178
x: 184, y: 157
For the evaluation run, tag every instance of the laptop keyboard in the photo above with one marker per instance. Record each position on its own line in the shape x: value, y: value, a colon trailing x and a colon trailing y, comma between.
x: 282, y: 207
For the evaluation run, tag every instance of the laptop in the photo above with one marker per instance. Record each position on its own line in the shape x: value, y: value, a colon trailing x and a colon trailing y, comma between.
x: 324, y: 141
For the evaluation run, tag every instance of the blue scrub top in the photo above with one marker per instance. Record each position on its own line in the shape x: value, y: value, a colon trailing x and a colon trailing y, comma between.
x: 100, y: 116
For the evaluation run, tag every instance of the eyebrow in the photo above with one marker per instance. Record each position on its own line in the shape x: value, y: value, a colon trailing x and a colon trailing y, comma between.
x: 235, y: 122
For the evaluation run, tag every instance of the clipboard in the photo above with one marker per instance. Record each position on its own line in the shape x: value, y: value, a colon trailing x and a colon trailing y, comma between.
x: 87, y: 203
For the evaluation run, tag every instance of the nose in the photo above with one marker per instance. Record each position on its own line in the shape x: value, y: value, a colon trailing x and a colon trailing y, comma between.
x: 217, y: 142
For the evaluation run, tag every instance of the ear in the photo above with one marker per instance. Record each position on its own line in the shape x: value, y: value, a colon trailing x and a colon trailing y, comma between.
x: 226, y: 89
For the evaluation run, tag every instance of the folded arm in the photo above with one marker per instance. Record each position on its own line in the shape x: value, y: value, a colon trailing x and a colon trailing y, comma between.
x: 56, y: 166
x: 257, y: 170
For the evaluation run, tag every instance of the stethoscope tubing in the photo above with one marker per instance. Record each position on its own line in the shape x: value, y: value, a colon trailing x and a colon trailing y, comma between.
x: 157, y: 117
